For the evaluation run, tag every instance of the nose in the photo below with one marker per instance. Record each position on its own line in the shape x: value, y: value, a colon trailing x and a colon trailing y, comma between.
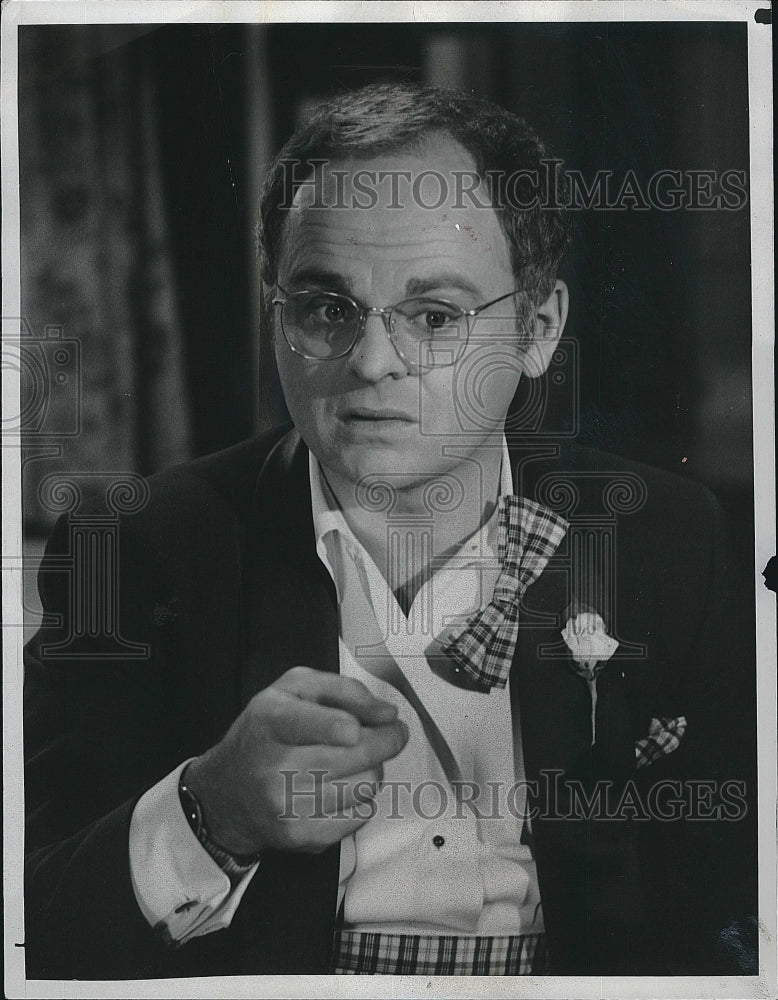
x: 373, y: 357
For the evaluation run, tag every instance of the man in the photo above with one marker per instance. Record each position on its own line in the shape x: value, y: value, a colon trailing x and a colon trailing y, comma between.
x: 388, y: 671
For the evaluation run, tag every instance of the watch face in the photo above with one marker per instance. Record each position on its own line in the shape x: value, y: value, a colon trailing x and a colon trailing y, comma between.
x: 229, y: 863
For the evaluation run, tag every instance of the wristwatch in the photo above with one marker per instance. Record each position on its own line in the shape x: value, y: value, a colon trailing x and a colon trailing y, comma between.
x: 234, y: 865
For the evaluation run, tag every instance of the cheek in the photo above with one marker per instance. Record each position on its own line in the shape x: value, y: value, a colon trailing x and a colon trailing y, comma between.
x: 292, y: 374
x: 473, y: 396
x: 486, y: 382
x: 310, y: 390
x: 298, y: 376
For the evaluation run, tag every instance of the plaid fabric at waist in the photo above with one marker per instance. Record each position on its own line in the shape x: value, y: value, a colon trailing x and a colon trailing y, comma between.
x: 361, y: 953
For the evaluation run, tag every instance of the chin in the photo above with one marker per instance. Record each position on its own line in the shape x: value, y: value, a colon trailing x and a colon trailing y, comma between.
x: 374, y: 460
x: 400, y: 467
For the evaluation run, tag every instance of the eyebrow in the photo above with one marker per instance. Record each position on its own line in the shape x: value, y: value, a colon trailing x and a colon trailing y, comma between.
x: 322, y: 278
x: 447, y: 279
x: 332, y: 280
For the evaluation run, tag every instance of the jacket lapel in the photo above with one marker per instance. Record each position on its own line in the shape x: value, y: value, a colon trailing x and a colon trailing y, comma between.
x: 552, y: 701
x: 587, y: 867
x: 289, y: 598
x: 287, y: 917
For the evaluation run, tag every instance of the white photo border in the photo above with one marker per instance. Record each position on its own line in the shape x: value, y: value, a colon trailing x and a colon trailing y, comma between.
x: 24, y: 12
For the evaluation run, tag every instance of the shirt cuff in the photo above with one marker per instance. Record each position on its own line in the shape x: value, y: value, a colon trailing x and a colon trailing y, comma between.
x: 180, y: 889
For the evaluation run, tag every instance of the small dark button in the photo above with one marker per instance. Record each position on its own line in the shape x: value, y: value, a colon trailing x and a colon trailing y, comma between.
x: 438, y: 841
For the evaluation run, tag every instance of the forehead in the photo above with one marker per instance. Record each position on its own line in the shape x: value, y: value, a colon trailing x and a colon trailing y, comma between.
x: 395, y: 214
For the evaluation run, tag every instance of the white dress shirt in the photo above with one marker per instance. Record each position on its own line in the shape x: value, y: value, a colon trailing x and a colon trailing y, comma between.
x: 424, y: 863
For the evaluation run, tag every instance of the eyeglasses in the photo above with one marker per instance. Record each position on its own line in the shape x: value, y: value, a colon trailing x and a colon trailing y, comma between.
x: 425, y: 332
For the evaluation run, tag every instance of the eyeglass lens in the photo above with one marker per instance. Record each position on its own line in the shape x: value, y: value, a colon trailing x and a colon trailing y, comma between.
x: 326, y: 325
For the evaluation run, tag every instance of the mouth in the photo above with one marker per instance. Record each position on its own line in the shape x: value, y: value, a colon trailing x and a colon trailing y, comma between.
x: 369, y: 415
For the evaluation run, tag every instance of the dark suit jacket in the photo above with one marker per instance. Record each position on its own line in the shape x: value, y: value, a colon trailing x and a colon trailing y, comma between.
x: 219, y: 579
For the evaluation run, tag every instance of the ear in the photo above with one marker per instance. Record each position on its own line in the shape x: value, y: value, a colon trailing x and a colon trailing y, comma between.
x: 550, y: 321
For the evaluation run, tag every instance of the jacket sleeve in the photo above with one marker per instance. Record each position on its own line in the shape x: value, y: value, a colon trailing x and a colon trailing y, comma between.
x: 105, y: 720
x: 95, y: 738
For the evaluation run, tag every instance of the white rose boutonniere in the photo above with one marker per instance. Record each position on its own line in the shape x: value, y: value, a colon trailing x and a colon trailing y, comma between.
x: 591, y: 647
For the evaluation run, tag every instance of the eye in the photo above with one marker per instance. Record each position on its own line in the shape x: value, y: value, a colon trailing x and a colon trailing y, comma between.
x: 437, y: 318
x: 428, y: 316
x: 333, y: 312
x: 328, y: 311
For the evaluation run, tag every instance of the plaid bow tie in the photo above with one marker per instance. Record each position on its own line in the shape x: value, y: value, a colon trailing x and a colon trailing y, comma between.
x: 528, y: 535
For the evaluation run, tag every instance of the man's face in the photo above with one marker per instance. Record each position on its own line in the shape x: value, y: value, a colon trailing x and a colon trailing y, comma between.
x: 370, y: 412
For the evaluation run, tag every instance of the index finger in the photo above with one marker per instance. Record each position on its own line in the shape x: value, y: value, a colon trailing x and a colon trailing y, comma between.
x: 336, y: 691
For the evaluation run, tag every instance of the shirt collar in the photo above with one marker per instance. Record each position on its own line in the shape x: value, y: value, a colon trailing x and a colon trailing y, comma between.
x: 327, y: 515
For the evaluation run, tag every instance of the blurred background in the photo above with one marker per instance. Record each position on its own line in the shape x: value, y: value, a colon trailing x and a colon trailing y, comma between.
x: 142, y: 152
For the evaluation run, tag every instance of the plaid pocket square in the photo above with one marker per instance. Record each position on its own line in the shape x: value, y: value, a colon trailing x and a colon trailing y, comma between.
x: 664, y: 736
